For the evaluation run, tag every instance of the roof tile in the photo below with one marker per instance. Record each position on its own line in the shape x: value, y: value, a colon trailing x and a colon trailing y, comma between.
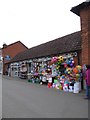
x: 68, y: 43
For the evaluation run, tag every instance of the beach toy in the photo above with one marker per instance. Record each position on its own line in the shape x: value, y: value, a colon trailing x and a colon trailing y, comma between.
x: 60, y: 58
x: 75, y: 70
x: 65, y: 65
x: 71, y: 65
x: 54, y: 59
x: 78, y: 67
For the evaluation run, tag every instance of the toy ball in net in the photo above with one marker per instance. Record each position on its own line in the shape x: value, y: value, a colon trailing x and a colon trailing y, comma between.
x: 60, y: 58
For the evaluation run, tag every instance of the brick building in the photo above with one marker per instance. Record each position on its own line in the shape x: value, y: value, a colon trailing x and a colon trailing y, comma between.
x: 10, y: 51
x: 57, y: 47
x: 83, y: 10
x: 26, y: 62
x: 64, y: 45
x: 76, y: 45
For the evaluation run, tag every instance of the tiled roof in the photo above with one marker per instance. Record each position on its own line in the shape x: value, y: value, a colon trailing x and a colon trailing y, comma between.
x: 68, y: 43
x: 77, y: 8
x: 14, y: 44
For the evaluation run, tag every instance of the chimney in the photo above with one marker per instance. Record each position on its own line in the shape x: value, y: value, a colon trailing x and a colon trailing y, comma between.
x: 83, y: 10
x: 4, y: 45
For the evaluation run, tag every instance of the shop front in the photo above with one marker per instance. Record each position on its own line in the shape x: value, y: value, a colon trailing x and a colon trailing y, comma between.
x: 60, y: 72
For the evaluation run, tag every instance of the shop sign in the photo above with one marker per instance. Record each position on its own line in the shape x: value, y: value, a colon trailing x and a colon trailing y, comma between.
x: 69, y: 55
x: 48, y: 58
x: 30, y: 61
x: 7, y: 57
x: 34, y: 60
x: 39, y: 59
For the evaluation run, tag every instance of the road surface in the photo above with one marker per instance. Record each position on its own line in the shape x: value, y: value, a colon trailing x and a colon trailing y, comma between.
x: 29, y: 100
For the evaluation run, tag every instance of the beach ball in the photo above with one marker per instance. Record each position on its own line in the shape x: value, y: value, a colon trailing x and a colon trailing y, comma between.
x: 78, y: 67
x: 57, y: 67
x: 69, y: 69
x: 59, y: 62
x: 54, y: 59
x: 77, y: 76
x: 75, y: 70
x: 49, y: 69
x: 71, y: 59
x: 63, y: 76
x: 71, y: 65
x: 65, y: 65
x: 73, y: 62
x: 60, y: 58
x: 69, y: 62
x: 66, y: 72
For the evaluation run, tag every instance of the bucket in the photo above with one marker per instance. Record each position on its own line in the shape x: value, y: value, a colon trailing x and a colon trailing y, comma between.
x: 76, y: 87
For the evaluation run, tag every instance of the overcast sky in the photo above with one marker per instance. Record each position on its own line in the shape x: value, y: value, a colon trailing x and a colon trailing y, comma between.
x: 36, y: 21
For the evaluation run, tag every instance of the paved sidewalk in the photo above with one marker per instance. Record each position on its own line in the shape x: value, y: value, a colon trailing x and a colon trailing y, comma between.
x: 26, y: 80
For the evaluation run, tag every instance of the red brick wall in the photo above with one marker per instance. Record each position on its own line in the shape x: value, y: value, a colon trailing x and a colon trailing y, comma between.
x: 85, y: 28
x: 12, y: 50
x: 77, y: 59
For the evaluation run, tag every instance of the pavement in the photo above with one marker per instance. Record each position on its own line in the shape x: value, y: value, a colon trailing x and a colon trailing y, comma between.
x: 22, y: 99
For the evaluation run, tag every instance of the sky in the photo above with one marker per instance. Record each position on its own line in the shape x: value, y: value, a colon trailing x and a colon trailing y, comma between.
x: 34, y: 22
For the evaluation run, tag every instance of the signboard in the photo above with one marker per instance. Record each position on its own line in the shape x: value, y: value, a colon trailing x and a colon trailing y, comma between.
x: 7, y: 57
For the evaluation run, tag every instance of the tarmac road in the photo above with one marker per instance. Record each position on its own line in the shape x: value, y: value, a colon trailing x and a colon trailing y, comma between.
x: 27, y: 100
